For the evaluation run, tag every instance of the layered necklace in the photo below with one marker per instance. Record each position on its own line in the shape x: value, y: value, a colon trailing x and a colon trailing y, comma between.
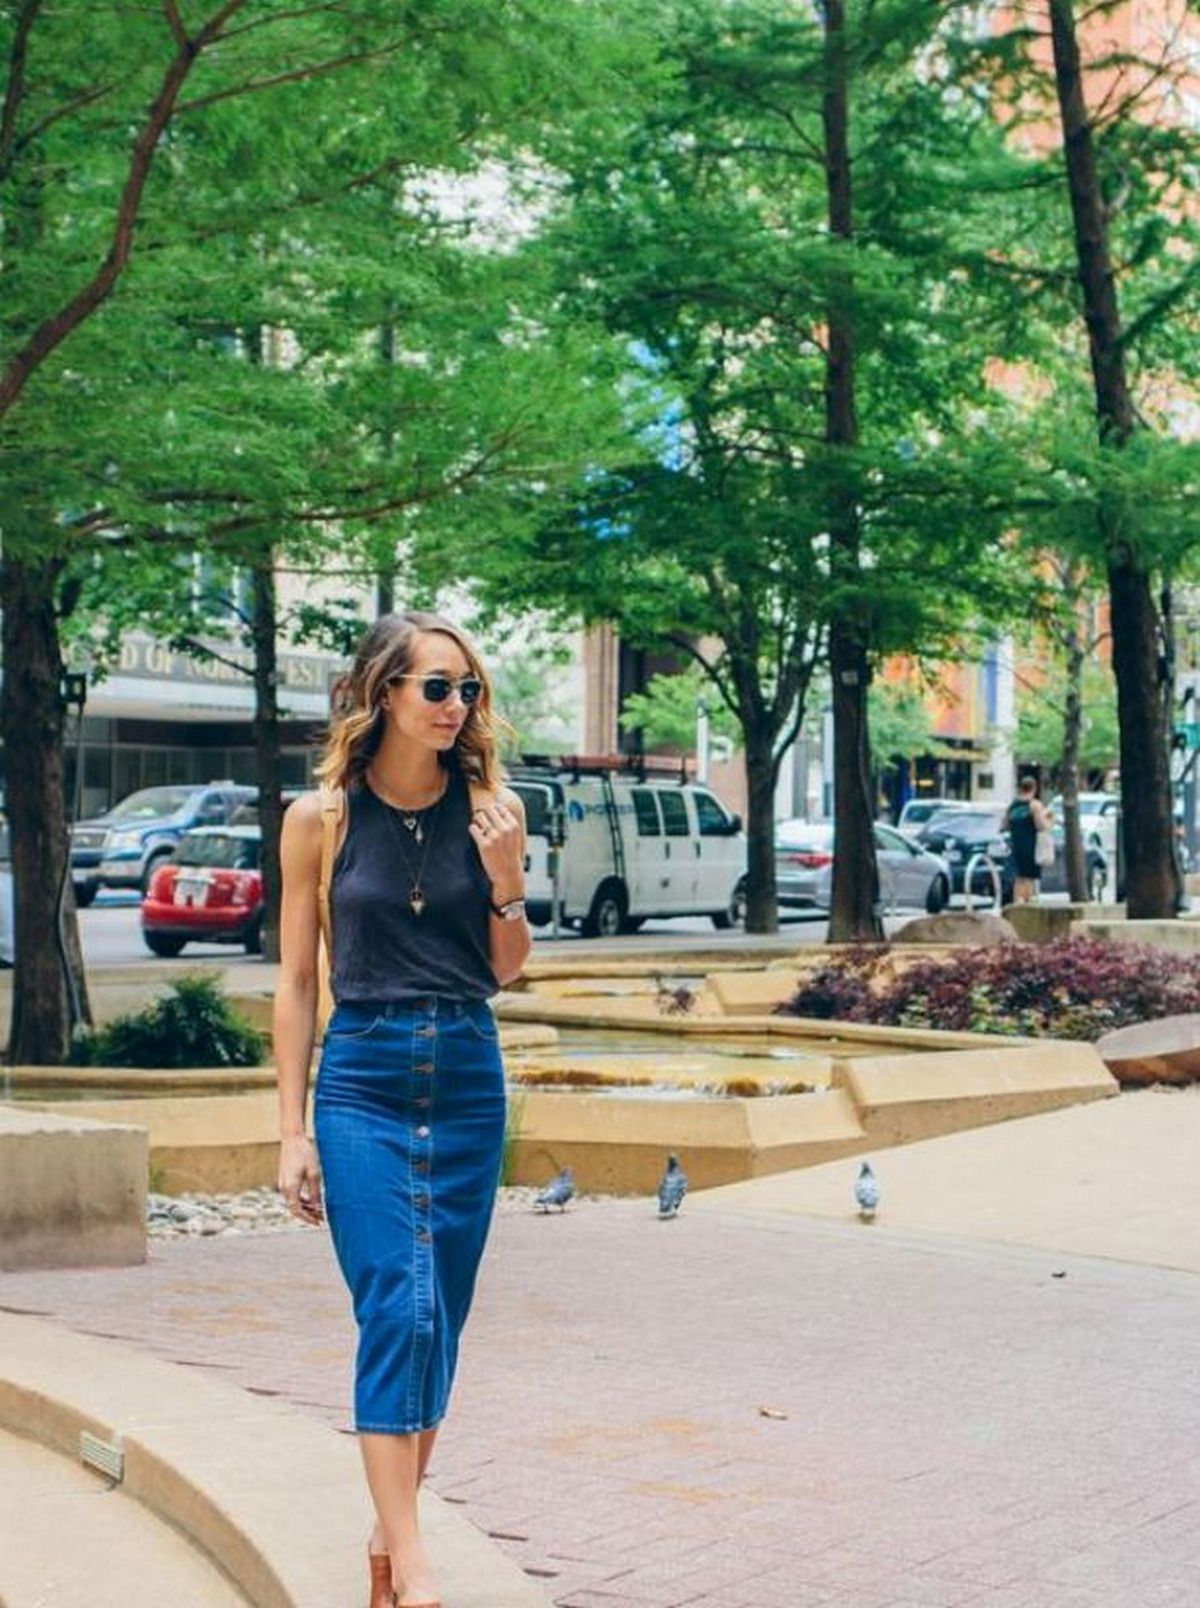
x: 419, y: 831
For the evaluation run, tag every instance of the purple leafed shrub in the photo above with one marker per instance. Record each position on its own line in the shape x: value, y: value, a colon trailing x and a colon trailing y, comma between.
x: 1076, y: 988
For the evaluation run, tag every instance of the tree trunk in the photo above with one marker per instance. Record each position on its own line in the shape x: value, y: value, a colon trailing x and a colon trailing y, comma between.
x: 49, y: 992
x: 762, y: 902
x: 1073, y: 849
x: 1151, y: 872
x: 854, y: 913
x: 267, y: 746
x: 855, y: 903
x: 1152, y: 887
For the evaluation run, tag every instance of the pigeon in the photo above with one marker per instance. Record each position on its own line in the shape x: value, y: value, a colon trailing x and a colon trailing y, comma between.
x: 866, y: 1192
x: 672, y: 1188
x: 557, y: 1192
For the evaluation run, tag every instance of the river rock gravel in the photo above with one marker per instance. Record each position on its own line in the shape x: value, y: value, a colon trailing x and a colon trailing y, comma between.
x: 262, y: 1211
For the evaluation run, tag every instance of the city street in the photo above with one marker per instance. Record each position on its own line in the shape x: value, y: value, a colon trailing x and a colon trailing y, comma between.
x: 112, y: 936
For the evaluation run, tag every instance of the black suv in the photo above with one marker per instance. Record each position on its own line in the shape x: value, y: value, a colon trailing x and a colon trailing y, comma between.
x: 961, y: 834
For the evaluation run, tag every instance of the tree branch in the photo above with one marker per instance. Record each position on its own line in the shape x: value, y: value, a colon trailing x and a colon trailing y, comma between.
x: 51, y: 333
x: 56, y: 116
x: 283, y: 16
x: 199, y: 650
x: 295, y: 76
x: 175, y: 21
x: 1159, y: 307
x: 15, y: 89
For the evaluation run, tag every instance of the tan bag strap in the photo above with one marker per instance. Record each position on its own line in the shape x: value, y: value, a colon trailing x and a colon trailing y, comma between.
x: 479, y: 794
x: 333, y: 803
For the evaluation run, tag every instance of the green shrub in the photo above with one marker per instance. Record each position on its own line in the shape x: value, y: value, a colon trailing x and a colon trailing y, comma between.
x: 194, y: 1025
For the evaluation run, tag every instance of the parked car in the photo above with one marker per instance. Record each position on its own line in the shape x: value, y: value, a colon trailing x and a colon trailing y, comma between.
x: 1098, y: 813
x: 209, y: 891
x: 908, y: 875
x: 634, y: 841
x: 126, y: 846
x: 960, y: 835
x: 917, y: 812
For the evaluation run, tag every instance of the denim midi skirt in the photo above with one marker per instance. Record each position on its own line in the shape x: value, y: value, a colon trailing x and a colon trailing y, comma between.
x: 409, y: 1121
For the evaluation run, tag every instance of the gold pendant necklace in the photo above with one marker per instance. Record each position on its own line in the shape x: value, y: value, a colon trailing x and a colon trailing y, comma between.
x: 416, y: 896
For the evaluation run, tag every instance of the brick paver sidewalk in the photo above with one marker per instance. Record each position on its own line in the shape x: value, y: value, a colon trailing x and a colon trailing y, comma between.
x: 945, y: 1424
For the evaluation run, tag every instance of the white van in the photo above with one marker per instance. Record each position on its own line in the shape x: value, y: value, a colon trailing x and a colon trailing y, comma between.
x: 634, y: 843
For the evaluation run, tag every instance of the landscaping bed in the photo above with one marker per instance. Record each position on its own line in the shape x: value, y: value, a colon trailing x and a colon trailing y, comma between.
x: 1077, y: 988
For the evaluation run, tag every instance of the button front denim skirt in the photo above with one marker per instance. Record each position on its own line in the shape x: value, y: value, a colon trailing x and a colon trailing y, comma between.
x: 409, y: 1120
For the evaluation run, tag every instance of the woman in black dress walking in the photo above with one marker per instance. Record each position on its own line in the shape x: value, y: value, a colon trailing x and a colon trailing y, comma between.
x: 1025, y: 817
x: 428, y: 920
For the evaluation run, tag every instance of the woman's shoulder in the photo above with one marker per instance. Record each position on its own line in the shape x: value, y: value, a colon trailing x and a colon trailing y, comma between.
x: 304, y: 814
x: 498, y: 793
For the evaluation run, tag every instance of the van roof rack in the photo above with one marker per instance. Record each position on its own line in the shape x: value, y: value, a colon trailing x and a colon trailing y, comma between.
x: 661, y: 767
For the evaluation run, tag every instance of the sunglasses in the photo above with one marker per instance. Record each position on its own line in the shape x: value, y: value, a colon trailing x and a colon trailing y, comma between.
x: 436, y: 689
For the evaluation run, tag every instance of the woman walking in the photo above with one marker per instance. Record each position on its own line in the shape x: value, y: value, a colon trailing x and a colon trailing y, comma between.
x: 1024, y: 819
x: 428, y: 919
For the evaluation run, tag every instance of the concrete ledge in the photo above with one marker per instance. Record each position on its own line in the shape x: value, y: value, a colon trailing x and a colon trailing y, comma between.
x: 900, y: 1099
x: 839, y: 1037
x: 1042, y: 924
x: 275, y: 1499
x: 619, y: 1146
x: 751, y: 993
x: 72, y: 1191
x: 1182, y: 937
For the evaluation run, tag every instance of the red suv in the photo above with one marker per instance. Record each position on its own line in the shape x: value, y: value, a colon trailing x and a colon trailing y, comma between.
x: 210, y: 891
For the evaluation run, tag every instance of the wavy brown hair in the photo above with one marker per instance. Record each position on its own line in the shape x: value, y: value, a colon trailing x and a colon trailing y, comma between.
x: 357, y: 724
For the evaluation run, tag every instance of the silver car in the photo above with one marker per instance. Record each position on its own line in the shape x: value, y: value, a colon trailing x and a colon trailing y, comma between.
x: 909, y: 876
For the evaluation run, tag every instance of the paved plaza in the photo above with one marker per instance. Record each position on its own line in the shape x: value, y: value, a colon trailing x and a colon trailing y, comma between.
x: 762, y: 1406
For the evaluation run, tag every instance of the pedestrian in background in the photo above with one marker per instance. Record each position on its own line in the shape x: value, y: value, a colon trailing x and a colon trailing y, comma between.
x: 424, y: 887
x: 1024, y: 819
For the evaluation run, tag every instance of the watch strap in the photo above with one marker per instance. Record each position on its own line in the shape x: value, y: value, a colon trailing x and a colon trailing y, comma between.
x: 502, y: 910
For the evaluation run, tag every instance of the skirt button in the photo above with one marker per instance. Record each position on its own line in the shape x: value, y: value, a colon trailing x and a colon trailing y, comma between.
x: 422, y: 1132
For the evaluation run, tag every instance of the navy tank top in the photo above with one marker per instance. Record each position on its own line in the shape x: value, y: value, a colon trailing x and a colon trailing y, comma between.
x: 381, y: 949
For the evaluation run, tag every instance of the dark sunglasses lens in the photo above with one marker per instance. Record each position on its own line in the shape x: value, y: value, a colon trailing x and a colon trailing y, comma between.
x: 469, y: 690
x: 436, y: 689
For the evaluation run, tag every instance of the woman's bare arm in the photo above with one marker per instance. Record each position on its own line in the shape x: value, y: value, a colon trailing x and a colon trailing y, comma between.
x: 502, y: 851
x: 296, y: 1004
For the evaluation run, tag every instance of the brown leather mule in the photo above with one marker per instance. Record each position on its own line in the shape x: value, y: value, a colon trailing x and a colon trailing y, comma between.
x: 382, y: 1595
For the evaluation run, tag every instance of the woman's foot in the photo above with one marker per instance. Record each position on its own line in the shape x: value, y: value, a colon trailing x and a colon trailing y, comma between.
x: 381, y: 1575
x: 415, y: 1585
x: 419, y: 1589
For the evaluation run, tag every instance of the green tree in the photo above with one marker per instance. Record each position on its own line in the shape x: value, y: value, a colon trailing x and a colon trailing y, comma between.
x: 532, y: 700
x: 703, y: 240
x: 1116, y: 274
x: 666, y: 713
x: 142, y: 247
x: 1042, y: 717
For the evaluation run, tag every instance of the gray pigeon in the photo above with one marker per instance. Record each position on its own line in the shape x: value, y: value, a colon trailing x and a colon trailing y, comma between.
x: 866, y: 1192
x: 557, y: 1192
x: 672, y: 1188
